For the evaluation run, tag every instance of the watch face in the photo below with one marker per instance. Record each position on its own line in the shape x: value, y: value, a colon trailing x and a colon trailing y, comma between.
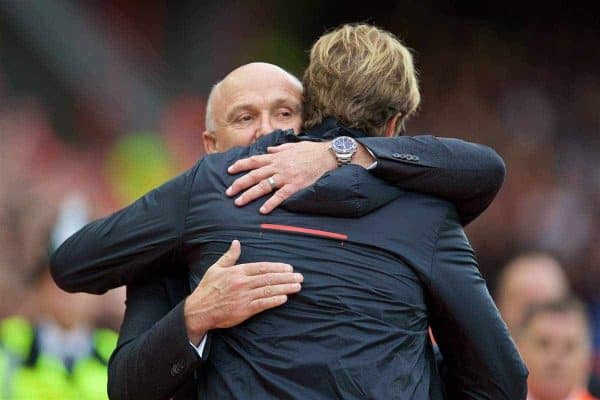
x: 344, y: 144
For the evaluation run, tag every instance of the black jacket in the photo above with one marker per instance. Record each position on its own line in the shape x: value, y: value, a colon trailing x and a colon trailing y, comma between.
x: 356, y: 334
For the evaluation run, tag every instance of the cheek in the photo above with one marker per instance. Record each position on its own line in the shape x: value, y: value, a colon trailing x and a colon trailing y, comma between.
x: 297, y: 125
x: 578, y: 359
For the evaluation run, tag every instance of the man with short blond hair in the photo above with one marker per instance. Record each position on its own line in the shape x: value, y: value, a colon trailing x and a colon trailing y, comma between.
x: 380, y: 90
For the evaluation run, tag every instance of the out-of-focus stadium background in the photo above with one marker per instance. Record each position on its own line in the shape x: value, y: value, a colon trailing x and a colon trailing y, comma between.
x: 102, y: 100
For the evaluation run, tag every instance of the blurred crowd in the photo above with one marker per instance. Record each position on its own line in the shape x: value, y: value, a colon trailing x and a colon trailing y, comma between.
x: 542, y: 118
x: 40, y: 172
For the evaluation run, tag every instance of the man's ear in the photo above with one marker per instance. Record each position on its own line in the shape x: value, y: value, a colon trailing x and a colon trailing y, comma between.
x: 210, y: 142
x: 390, y: 126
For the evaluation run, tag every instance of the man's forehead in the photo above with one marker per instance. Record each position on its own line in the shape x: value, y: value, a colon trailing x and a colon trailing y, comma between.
x: 258, y: 83
x: 247, y: 96
x: 260, y: 73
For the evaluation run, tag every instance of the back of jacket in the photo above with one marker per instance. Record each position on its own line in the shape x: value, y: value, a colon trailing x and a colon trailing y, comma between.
x: 357, y: 329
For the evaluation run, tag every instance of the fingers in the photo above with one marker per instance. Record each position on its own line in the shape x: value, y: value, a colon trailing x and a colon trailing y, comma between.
x: 278, y: 197
x: 280, y: 148
x: 260, y: 268
x: 265, y: 303
x: 249, y: 163
x: 271, y: 279
x: 230, y: 257
x: 255, y: 177
x: 274, y: 290
x: 259, y: 190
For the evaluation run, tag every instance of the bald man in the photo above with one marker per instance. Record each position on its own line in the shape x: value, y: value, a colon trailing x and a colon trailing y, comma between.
x: 155, y: 358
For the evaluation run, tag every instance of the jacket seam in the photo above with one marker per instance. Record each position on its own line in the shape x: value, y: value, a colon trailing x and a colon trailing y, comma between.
x: 435, y: 246
x: 180, y: 234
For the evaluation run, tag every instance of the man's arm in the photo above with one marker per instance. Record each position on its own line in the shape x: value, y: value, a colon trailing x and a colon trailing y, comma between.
x: 482, y: 360
x: 467, y: 174
x: 154, y: 358
x: 113, y: 251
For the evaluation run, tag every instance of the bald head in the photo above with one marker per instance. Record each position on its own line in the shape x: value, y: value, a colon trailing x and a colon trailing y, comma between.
x: 253, y: 100
x: 529, y: 279
x: 255, y: 73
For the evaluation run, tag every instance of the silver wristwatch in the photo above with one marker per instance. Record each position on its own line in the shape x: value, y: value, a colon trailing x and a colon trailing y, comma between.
x: 343, y: 148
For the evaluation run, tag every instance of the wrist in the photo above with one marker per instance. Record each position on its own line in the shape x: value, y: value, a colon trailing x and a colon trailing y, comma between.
x: 363, y: 157
x: 329, y: 160
x: 197, y: 323
x: 344, y: 148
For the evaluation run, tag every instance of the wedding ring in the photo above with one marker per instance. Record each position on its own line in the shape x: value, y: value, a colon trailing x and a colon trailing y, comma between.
x: 272, y: 183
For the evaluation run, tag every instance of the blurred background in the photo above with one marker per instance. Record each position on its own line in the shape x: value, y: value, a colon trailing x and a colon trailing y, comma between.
x: 102, y: 100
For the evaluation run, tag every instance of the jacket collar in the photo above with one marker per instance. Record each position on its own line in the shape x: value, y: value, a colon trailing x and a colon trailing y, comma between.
x: 331, y: 128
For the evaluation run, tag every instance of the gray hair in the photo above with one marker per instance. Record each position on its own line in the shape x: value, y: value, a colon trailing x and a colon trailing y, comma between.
x: 209, y: 120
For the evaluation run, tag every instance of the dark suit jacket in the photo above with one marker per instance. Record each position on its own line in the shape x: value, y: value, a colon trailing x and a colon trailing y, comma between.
x: 422, y: 263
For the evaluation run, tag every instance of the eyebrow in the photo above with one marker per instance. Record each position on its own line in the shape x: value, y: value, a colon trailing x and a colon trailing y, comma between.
x: 237, y: 109
x: 295, y: 105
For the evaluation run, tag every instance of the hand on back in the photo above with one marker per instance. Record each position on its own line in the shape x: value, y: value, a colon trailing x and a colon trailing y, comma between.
x: 228, y: 294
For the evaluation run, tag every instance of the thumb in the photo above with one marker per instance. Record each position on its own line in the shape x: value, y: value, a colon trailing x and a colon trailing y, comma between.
x: 231, y: 256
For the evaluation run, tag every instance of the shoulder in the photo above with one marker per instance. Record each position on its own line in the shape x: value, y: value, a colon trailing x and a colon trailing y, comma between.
x: 432, y: 212
x: 450, y: 230
x: 452, y: 246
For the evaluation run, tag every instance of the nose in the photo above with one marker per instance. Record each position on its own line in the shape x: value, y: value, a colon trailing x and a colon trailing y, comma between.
x: 265, y: 126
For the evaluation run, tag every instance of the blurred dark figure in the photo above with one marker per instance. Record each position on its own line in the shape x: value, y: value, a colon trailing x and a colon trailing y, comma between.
x: 555, y: 341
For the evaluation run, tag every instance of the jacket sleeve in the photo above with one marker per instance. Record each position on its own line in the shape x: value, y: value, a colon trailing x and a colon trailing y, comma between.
x: 481, y: 358
x: 154, y: 358
x: 468, y: 175
x: 115, y: 250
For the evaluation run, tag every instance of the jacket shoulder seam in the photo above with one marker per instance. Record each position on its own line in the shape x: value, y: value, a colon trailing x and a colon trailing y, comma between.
x: 435, y: 245
x: 181, y: 233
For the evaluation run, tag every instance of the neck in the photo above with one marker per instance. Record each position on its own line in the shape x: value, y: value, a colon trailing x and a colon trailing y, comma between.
x: 331, y: 128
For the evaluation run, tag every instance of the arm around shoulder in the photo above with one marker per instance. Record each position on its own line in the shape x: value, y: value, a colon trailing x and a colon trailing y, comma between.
x: 467, y: 174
